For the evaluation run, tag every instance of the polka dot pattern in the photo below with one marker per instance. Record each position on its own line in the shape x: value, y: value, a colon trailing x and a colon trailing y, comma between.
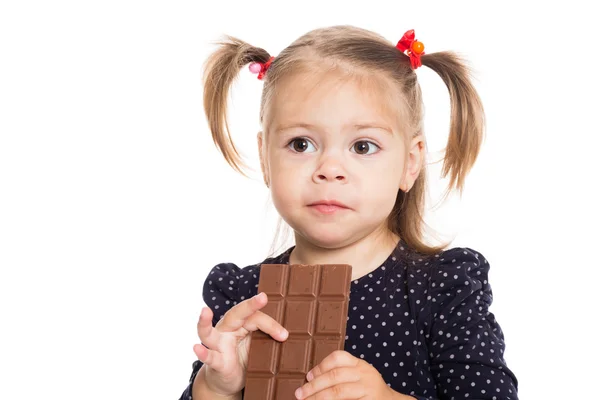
x: 423, y: 322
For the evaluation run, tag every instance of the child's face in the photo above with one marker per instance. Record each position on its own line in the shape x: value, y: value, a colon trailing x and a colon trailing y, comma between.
x: 349, y: 150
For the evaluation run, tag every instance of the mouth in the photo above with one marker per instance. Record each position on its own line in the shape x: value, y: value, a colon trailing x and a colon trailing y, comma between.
x: 328, y: 206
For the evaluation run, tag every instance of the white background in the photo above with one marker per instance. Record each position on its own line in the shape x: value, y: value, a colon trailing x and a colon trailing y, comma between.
x: 114, y: 203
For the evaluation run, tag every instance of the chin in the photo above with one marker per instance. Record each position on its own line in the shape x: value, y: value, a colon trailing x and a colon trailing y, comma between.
x: 327, y: 237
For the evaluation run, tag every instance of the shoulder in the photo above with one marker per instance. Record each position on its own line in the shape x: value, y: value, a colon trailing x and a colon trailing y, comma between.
x: 447, y: 279
x: 459, y: 272
x: 458, y: 286
x: 459, y: 325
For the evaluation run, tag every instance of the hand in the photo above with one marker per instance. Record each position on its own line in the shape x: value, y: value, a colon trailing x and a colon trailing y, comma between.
x: 342, y: 376
x: 226, y: 357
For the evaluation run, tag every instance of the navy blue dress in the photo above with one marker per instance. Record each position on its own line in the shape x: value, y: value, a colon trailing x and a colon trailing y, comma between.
x: 422, y: 321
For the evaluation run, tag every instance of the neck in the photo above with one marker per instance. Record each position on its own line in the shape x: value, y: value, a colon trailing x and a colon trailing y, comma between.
x: 364, y: 255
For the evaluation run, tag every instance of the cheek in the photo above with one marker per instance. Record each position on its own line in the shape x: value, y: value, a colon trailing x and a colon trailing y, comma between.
x: 382, y: 189
x: 290, y: 186
x: 383, y: 178
x: 382, y: 201
x: 288, y: 170
x: 285, y: 187
x: 285, y: 198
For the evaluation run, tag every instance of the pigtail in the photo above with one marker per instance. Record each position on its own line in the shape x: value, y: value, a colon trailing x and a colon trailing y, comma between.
x: 221, y: 69
x: 467, y: 116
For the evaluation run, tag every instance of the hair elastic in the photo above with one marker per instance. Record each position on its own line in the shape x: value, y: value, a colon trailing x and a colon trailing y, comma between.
x: 413, y: 48
x: 261, y: 68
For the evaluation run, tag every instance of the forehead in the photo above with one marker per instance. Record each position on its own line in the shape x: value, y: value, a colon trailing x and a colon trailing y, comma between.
x: 333, y: 99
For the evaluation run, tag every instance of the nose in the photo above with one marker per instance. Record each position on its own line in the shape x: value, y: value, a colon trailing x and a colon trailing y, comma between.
x: 330, y: 170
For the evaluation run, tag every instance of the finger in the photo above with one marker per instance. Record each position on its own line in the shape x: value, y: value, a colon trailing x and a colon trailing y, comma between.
x: 265, y: 323
x: 236, y: 317
x: 212, y: 358
x: 207, y: 334
x: 336, y: 359
x: 330, y: 378
x: 346, y: 391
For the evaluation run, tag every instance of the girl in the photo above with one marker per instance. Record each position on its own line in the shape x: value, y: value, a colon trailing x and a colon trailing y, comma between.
x: 343, y: 153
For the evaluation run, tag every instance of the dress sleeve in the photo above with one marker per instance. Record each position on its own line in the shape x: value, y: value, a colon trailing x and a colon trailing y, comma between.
x: 220, y: 293
x: 465, y: 342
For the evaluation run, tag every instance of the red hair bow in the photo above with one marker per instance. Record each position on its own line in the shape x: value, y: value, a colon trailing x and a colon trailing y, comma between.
x: 261, y: 68
x: 413, y: 48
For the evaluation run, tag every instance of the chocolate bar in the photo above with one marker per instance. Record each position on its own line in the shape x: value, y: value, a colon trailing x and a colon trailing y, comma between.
x: 311, y: 302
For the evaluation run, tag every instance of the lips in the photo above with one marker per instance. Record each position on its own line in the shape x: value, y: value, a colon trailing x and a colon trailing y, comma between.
x: 333, y: 203
x: 328, y: 206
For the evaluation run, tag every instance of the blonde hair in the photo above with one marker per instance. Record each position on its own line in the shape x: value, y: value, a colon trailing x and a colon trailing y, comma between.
x: 359, y: 50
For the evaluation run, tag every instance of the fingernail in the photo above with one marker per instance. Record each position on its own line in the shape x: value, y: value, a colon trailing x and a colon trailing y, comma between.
x: 309, y: 376
x: 284, y: 333
x: 298, y: 393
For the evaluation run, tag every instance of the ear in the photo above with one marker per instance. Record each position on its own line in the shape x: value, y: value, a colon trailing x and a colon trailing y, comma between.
x: 262, y: 156
x: 416, y: 156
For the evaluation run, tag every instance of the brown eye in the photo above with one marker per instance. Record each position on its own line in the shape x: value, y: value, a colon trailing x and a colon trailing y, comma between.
x: 299, y: 145
x: 362, y: 147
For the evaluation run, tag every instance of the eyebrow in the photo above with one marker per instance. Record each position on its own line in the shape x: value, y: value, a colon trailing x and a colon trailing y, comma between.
x: 366, y: 125
x: 373, y: 126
